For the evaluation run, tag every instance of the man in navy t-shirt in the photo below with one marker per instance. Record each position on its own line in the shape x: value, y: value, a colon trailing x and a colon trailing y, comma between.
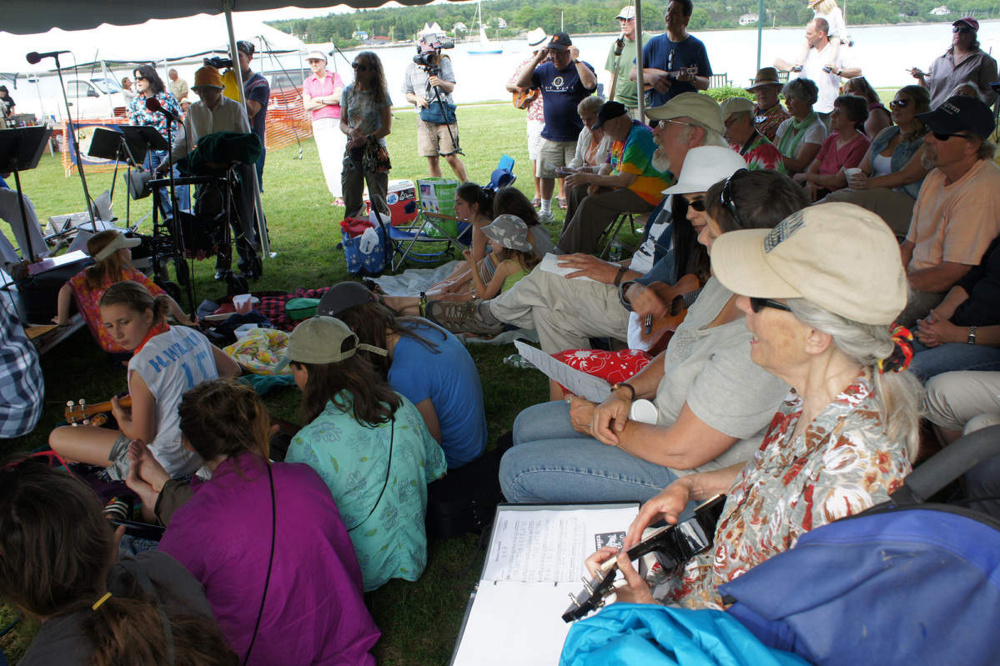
x: 675, y: 62
x: 564, y: 81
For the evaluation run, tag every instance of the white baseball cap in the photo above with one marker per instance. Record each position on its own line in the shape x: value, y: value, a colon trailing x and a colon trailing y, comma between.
x: 839, y: 256
x: 626, y: 13
x: 705, y: 166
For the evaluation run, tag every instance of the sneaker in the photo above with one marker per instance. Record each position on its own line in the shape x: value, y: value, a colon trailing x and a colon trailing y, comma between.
x: 460, y: 317
x: 546, y: 218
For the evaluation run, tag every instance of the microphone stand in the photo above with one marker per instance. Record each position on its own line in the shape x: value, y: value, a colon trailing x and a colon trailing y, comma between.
x: 170, y: 173
x: 76, y: 146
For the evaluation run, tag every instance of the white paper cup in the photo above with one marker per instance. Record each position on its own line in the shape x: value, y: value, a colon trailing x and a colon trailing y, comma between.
x: 643, y: 411
x: 853, y: 171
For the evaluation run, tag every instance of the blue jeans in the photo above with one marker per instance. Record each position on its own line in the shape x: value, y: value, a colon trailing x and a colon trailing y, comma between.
x: 552, y: 462
x: 928, y: 362
x: 153, y: 159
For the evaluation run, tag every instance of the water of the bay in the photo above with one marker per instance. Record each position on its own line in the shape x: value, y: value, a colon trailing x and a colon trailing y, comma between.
x: 885, y: 54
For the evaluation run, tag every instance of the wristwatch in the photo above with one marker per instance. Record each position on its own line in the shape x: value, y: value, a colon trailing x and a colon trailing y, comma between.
x: 972, y: 335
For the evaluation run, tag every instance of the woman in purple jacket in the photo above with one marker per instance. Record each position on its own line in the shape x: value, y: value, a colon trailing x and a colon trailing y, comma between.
x: 265, y: 539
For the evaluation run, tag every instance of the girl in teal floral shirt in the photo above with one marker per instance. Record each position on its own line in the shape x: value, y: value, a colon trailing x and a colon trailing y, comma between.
x: 370, y: 446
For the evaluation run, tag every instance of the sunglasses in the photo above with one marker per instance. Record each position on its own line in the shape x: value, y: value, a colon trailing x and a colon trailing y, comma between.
x: 940, y: 136
x: 141, y: 78
x: 697, y: 205
x: 726, y: 197
x: 899, y: 103
x: 758, y: 304
x: 963, y: 29
x: 360, y: 68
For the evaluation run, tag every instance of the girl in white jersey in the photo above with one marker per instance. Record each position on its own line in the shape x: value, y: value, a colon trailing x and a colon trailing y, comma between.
x: 166, y: 363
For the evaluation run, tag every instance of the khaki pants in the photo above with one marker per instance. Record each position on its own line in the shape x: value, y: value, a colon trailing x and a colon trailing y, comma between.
x: 565, y: 312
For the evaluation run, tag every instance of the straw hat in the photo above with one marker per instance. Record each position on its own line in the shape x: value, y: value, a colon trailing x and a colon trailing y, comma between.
x: 536, y: 37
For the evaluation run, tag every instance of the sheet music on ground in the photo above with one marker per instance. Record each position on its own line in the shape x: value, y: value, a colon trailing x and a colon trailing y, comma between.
x: 534, y: 562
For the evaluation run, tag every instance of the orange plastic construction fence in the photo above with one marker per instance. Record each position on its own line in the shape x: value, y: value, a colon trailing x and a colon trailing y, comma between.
x: 287, y: 123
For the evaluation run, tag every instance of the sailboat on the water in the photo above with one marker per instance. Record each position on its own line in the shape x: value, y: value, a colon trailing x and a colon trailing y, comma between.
x: 485, y: 45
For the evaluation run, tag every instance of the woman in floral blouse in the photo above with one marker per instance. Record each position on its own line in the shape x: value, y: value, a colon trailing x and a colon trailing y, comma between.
x: 820, y: 292
x: 149, y: 85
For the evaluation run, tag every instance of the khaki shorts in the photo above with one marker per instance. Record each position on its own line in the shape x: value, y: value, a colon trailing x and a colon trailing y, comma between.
x: 434, y: 140
x: 554, y: 154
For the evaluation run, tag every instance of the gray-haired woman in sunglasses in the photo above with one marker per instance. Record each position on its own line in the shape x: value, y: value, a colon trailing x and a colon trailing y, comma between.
x: 366, y: 120
x: 820, y: 292
x: 963, y: 61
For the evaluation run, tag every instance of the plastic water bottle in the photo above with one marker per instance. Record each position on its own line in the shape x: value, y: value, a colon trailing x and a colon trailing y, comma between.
x: 369, y: 241
x: 615, y: 251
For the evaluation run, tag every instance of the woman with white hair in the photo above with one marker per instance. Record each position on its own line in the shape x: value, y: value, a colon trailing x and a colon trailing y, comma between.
x: 820, y: 292
x: 592, y: 148
x: 800, y: 137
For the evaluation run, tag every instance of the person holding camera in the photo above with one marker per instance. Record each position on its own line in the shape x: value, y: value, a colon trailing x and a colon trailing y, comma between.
x: 428, y: 85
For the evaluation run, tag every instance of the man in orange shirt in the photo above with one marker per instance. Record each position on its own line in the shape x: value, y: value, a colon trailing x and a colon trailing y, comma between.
x: 957, y: 214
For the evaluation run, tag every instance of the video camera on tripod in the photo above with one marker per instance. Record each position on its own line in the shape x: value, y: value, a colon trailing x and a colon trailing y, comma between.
x: 429, y: 53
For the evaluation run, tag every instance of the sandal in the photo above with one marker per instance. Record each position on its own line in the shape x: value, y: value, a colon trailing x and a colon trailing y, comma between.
x: 536, y: 202
x: 562, y: 202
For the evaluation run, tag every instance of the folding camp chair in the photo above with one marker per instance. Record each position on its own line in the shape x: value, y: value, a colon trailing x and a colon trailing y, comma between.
x: 404, y: 240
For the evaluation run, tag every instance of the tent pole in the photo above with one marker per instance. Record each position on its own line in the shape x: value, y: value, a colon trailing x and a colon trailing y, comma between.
x: 265, y: 243
x: 638, y: 59
x: 760, y: 29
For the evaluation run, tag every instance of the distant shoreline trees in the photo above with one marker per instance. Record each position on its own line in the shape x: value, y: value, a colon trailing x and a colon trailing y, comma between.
x: 587, y: 16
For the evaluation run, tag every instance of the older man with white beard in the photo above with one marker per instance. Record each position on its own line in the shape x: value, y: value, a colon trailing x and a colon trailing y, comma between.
x: 567, y: 312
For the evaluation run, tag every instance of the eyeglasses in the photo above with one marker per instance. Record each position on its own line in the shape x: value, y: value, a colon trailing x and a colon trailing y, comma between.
x: 697, y: 205
x: 899, y: 103
x: 726, y: 197
x: 360, y: 68
x: 654, y: 123
x: 940, y: 136
x: 758, y: 304
x: 963, y: 29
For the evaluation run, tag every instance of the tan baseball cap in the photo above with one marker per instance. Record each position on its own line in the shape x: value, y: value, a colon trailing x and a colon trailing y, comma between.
x: 735, y: 105
x: 702, y: 109
x: 838, y: 256
x: 321, y: 340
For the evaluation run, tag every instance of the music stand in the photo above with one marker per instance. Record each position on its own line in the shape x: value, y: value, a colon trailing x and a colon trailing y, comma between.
x: 108, y: 144
x: 139, y: 140
x: 20, y: 150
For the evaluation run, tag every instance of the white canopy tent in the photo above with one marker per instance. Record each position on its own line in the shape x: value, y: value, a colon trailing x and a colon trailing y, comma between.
x: 151, y: 41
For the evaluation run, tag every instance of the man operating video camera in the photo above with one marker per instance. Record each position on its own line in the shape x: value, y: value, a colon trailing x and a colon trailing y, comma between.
x: 428, y: 85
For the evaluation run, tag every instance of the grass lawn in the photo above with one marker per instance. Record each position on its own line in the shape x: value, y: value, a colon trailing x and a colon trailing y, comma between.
x: 419, y: 621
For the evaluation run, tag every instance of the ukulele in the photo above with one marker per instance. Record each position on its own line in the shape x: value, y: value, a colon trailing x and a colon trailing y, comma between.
x: 523, y: 98
x: 656, y: 332
x: 80, y: 413
x: 673, y: 545
x: 675, y: 75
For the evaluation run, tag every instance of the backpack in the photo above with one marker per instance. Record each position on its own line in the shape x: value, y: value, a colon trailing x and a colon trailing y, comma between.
x: 905, y: 582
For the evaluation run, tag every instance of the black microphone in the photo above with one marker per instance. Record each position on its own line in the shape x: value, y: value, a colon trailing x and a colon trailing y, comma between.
x: 154, y: 105
x: 35, y: 57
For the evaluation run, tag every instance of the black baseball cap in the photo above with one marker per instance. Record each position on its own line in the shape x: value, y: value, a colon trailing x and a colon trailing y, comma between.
x: 609, y: 111
x: 343, y: 296
x: 560, y: 42
x: 960, y: 114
